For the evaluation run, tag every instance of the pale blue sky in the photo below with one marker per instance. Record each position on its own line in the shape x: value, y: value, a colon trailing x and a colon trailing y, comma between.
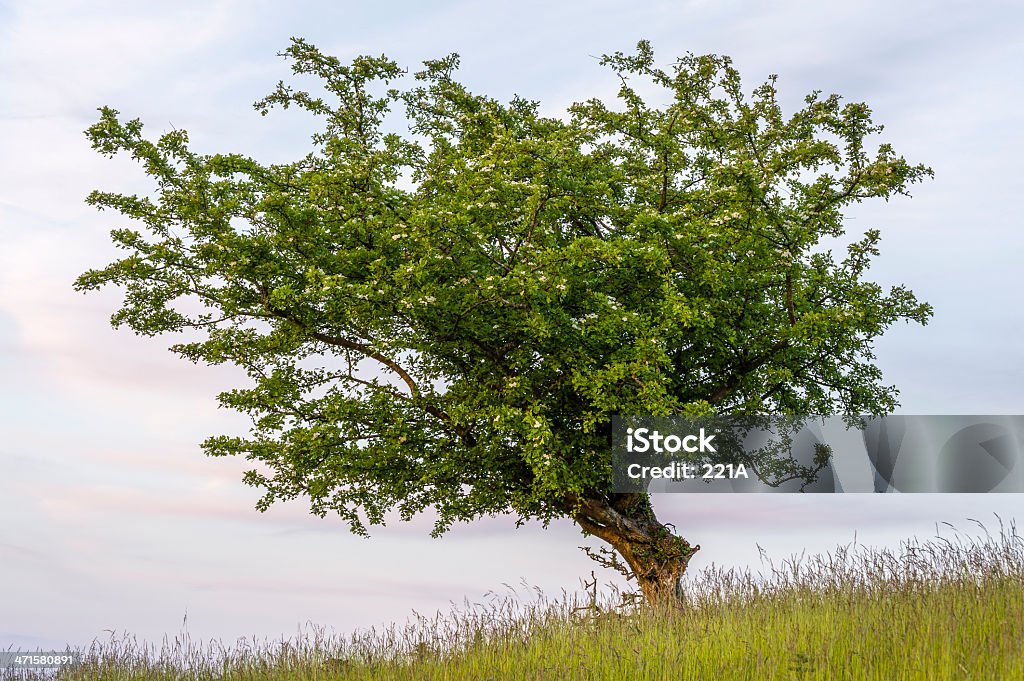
x: 113, y: 519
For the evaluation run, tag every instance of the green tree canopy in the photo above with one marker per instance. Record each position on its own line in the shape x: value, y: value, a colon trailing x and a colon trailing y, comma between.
x: 447, y: 317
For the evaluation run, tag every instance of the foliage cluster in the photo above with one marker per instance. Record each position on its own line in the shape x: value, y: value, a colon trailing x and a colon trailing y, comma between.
x: 448, y: 317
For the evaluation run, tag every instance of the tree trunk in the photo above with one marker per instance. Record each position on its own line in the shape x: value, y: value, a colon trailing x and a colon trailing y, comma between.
x: 654, y: 554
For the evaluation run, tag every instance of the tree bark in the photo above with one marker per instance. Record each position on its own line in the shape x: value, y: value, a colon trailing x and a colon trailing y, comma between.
x: 654, y: 554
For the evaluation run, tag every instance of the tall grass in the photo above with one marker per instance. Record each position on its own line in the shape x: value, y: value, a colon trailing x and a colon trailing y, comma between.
x: 940, y: 609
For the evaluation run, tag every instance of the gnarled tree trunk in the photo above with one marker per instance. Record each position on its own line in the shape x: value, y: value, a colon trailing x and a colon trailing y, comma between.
x: 656, y: 556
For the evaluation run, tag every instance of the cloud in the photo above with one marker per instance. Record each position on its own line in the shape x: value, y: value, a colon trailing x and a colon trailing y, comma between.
x: 23, y: 553
x: 136, y: 39
x: 380, y: 588
x: 86, y: 505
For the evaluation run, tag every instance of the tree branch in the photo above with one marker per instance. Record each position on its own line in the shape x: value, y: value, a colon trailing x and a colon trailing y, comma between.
x: 744, y: 369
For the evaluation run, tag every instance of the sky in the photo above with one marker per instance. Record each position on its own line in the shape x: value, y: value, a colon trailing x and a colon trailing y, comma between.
x: 114, y: 520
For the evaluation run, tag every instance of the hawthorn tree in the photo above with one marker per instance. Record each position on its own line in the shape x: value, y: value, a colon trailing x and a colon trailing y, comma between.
x: 447, y: 317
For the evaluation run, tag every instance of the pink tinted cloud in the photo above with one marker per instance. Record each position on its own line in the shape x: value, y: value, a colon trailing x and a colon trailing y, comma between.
x: 76, y: 504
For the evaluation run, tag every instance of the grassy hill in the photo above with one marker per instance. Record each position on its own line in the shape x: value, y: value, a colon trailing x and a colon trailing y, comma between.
x: 936, y: 610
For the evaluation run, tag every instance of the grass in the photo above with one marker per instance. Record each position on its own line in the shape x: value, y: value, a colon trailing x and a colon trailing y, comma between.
x: 941, y: 609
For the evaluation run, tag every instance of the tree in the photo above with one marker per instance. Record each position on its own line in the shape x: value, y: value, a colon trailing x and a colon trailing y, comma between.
x: 448, y: 317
